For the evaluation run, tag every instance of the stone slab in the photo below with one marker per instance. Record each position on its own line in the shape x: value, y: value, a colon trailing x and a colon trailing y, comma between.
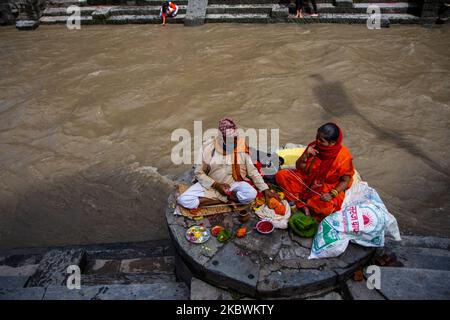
x: 230, y: 267
x: 422, y: 258
x: 36, y: 293
x: 52, y: 269
x: 265, y: 244
x: 414, y: 284
x: 125, y: 278
x: 329, y: 296
x: 288, y: 282
x: 422, y: 242
x: 344, y: 3
x: 360, y: 291
x: 101, y: 13
x: 146, y: 265
x: 26, y: 270
x: 201, y: 290
x: 12, y: 282
x: 102, y: 266
x: 159, y: 291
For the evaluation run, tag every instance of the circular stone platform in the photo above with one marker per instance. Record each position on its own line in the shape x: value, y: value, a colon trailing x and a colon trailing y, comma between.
x: 259, y: 266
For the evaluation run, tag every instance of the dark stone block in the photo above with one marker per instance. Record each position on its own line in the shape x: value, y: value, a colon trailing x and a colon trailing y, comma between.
x: 344, y: 3
x: 52, y: 269
x: 102, y: 13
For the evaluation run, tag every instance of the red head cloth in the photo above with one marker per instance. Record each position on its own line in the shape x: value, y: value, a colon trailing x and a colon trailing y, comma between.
x: 228, y: 127
x: 326, y: 154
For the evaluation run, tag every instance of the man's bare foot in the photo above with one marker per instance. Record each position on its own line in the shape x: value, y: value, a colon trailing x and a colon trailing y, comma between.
x: 314, y: 15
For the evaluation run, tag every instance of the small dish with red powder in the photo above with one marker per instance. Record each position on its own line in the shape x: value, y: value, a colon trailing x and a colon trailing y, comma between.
x: 264, y: 226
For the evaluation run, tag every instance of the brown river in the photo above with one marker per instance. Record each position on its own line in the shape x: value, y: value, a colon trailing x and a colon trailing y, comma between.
x: 86, y: 117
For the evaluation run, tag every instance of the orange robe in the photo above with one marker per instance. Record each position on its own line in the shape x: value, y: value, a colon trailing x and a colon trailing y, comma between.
x: 342, y: 166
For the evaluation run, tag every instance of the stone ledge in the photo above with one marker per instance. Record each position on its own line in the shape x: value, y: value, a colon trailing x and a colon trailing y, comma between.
x: 258, y: 266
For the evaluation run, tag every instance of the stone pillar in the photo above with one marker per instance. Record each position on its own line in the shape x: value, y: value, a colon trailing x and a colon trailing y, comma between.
x: 430, y: 11
x: 195, y: 13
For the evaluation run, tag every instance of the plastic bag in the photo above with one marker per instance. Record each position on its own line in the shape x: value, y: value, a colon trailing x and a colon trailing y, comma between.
x: 363, y: 219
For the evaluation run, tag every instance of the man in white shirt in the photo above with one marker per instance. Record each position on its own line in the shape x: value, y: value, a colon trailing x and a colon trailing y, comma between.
x: 223, y: 176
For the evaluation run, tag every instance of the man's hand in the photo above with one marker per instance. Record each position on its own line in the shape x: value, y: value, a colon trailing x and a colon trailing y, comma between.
x: 223, y: 188
x: 270, y: 194
x: 326, y: 197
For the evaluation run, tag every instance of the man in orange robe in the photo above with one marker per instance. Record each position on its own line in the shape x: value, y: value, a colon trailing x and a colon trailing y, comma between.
x: 323, y: 173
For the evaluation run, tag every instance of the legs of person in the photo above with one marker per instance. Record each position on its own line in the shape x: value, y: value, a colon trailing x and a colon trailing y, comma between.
x: 190, y: 199
x: 194, y: 197
x: 243, y: 191
x: 289, y: 183
x: 321, y: 209
x: 298, y: 8
x: 314, y: 5
x: 208, y: 202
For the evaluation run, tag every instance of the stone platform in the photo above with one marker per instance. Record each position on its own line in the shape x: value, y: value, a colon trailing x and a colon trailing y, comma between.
x: 258, y: 265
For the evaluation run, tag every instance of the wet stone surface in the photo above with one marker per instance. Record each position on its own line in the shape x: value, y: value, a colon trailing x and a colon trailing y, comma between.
x: 258, y: 265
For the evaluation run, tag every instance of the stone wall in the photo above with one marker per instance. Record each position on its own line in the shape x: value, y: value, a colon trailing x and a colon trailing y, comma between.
x: 13, y: 10
x: 431, y: 10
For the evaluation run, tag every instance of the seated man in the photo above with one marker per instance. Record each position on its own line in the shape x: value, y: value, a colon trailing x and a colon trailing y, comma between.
x: 222, y: 176
x: 323, y: 172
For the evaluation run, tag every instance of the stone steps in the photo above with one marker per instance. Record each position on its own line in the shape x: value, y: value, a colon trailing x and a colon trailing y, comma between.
x: 398, y: 7
x: 422, y: 258
x: 118, y: 271
x: 414, y: 284
x: 239, y: 8
x: 238, y: 18
x: 422, y: 272
x: 156, y: 291
x: 257, y: 11
x: 117, y: 10
x: 119, y: 19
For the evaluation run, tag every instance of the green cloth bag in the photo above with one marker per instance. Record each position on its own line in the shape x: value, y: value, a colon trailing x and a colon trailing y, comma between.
x: 303, y: 225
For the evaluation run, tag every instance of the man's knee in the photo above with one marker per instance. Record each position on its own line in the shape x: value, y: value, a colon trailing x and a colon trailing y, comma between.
x: 188, y: 202
x: 246, y: 194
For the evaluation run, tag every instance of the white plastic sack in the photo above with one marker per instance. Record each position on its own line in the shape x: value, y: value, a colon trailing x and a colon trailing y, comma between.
x: 279, y: 221
x: 363, y: 219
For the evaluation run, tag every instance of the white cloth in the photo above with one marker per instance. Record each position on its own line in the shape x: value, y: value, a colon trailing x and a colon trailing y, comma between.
x: 278, y: 221
x: 190, y: 198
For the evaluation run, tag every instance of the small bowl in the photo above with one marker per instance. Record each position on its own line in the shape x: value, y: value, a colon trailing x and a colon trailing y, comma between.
x: 263, y: 223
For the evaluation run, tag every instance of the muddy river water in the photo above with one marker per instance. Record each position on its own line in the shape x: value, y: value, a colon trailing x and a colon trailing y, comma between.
x: 86, y: 117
